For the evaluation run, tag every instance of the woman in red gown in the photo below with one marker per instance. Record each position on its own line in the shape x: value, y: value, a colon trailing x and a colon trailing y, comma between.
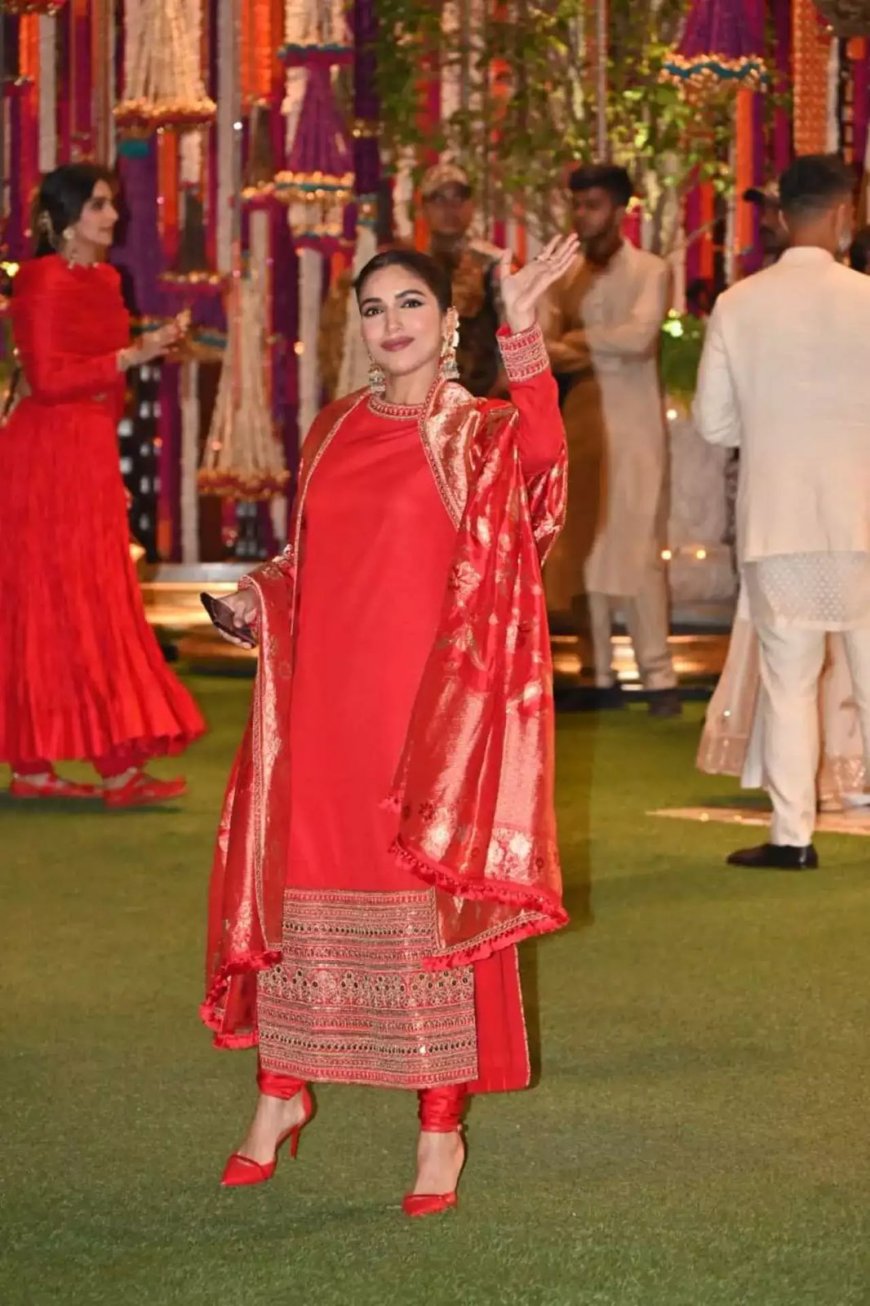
x: 388, y: 835
x: 81, y: 674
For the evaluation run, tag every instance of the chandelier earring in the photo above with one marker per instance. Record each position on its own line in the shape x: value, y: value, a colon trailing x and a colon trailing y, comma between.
x: 44, y: 227
x: 449, y: 366
x: 377, y: 379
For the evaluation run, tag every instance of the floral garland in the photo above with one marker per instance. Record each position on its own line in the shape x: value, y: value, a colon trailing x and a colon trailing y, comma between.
x: 163, y: 86
x: 710, y: 72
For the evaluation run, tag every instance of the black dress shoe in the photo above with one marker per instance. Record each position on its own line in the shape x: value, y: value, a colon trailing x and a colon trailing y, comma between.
x: 665, y: 703
x: 609, y: 698
x: 777, y: 856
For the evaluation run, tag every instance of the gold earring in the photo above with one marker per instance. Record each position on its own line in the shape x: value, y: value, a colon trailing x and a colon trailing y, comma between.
x: 377, y: 379
x: 449, y: 366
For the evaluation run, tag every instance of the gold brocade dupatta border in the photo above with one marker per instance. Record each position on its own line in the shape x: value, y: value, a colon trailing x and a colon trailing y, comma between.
x: 475, y: 784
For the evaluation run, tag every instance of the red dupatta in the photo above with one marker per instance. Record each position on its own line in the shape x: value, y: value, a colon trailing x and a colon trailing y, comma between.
x: 474, y: 788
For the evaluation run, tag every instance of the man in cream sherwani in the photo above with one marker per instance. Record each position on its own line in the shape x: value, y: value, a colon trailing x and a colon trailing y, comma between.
x: 602, y: 324
x: 785, y: 375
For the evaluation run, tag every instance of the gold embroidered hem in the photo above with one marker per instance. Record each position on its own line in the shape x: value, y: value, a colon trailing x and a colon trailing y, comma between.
x: 350, y: 1002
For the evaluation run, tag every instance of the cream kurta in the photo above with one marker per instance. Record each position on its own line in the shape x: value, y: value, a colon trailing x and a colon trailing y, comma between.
x: 784, y: 376
x: 602, y: 328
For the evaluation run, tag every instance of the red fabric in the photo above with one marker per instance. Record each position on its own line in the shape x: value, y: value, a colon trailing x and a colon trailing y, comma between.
x: 40, y: 767
x: 379, y: 569
x: 115, y: 763
x: 124, y: 758
x: 81, y: 675
x: 440, y: 1109
x: 283, y: 1086
x: 361, y: 648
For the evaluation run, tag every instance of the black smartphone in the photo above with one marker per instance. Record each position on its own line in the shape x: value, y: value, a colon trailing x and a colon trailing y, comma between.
x: 221, y: 616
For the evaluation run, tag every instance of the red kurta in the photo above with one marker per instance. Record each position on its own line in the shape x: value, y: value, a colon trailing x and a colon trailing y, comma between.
x: 351, y: 999
x: 81, y: 674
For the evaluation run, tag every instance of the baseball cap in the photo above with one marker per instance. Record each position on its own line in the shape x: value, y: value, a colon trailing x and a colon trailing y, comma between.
x: 766, y: 194
x: 442, y: 175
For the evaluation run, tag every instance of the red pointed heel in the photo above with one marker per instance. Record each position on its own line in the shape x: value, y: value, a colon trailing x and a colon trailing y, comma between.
x: 418, y: 1204
x: 143, y: 790
x: 56, y: 787
x: 428, y: 1203
x: 242, y: 1171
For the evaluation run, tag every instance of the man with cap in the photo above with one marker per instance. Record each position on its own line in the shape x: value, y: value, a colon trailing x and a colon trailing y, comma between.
x: 772, y: 234
x: 448, y: 209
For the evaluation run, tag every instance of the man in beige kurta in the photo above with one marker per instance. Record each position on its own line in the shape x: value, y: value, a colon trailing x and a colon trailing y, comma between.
x: 603, y: 325
x: 784, y: 377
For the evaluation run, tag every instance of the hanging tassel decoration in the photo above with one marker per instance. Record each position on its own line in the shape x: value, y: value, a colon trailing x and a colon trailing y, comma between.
x: 243, y: 458
x: 47, y: 93
x: 163, y: 74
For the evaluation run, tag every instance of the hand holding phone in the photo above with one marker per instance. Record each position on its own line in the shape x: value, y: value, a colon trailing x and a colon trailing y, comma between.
x: 233, y: 616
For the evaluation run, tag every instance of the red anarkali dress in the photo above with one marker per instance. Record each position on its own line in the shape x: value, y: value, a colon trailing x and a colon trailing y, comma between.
x: 351, y: 1000
x: 81, y: 674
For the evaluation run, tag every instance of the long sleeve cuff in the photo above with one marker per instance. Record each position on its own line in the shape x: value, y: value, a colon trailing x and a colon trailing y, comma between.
x: 525, y: 354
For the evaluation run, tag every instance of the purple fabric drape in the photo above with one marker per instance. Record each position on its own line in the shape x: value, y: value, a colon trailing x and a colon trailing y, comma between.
x: 320, y: 144
x: 782, y: 133
x: 138, y: 254
x: 731, y: 29
x: 64, y: 109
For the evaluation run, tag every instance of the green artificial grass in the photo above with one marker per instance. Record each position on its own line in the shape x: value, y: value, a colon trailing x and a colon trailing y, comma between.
x: 699, y: 1136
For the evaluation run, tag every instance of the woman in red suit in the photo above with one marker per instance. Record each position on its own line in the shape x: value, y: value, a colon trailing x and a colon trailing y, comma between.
x: 388, y: 834
x: 81, y: 674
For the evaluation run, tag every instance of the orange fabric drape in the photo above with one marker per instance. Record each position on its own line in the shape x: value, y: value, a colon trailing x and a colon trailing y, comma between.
x: 811, y: 47
x: 29, y: 46
x: 167, y: 191
x: 260, y: 39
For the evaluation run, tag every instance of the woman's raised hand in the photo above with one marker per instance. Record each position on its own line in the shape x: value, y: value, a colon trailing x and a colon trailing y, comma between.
x: 521, y: 291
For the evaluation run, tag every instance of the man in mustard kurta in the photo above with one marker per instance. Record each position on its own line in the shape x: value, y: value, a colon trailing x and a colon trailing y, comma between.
x: 603, y: 323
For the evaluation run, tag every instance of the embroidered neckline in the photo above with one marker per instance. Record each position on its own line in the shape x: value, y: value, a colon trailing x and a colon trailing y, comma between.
x: 397, y: 412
